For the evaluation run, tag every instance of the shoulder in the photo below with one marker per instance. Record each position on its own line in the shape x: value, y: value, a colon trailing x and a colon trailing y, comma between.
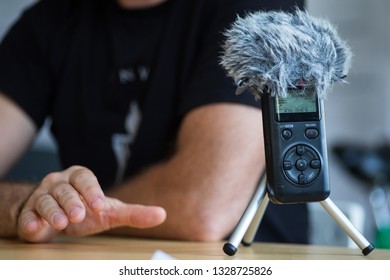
x: 233, y: 8
x: 223, y: 12
x: 245, y: 6
x: 47, y: 14
x: 46, y: 9
x: 48, y: 20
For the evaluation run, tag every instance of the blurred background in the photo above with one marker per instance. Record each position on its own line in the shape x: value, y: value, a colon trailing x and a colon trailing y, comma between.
x: 357, y: 115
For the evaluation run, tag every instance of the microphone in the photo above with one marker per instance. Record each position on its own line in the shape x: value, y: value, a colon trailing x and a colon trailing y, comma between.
x: 290, y: 61
x: 274, y: 51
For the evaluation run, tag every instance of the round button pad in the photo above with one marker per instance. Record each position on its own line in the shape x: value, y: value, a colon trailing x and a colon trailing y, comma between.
x: 301, y: 164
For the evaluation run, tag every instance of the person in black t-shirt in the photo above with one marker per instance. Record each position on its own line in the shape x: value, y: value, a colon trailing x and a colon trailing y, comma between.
x: 142, y: 112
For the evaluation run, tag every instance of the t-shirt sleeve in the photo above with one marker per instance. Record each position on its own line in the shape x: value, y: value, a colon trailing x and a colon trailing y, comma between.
x: 208, y: 82
x: 24, y: 74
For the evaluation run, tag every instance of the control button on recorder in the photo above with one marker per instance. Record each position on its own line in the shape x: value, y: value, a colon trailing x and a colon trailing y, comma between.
x: 301, y: 150
x: 311, y: 133
x: 287, y: 165
x: 301, y: 164
x: 302, y: 179
x: 316, y: 163
x: 286, y: 134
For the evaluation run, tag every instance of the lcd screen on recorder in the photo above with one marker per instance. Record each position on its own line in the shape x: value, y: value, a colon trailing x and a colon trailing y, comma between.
x: 301, y: 104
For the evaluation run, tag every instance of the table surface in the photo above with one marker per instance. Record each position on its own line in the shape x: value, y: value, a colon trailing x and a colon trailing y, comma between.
x: 123, y: 248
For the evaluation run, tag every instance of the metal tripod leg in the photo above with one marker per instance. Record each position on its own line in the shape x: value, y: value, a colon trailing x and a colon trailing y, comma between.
x: 250, y: 215
x: 347, y: 226
x: 251, y: 232
x: 253, y: 214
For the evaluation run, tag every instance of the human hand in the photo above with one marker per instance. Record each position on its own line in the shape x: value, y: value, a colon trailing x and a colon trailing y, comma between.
x: 72, y: 202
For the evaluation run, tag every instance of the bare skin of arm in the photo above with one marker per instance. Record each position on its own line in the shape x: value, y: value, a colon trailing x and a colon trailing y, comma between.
x: 203, y: 188
x: 70, y: 201
x: 207, y: 184
x: 12, y: 197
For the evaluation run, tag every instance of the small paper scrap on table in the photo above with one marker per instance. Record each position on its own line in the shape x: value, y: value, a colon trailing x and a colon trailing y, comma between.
x: 161, y: 255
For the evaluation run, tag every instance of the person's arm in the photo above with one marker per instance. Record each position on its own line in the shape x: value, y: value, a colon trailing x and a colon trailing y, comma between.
x: 17, y: 132
x: 204, y: 188
x: 38, y: 213
x: 12, y: 199
x: 207, y: 184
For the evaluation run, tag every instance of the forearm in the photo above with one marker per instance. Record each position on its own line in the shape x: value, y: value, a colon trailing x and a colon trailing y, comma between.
x: 12, y: 198
x: 199, y: 207
x: 206, y: 186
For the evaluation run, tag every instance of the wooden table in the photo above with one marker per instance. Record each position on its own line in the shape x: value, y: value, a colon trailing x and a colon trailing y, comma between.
x: 121, y: 248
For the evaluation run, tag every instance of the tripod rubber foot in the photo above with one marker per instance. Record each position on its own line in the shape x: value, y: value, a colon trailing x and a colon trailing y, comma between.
x: 229, y: 249
x: 368, y: 249
x: 246, y: 244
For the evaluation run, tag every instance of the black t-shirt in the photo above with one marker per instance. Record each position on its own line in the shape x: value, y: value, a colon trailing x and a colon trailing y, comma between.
x: 117, y: 83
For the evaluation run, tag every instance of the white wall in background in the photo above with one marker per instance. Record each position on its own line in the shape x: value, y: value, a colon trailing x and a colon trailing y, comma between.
x: 358, y: 112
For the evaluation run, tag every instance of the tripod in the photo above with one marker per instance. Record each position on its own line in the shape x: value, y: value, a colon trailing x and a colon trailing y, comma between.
x: 250, y: 220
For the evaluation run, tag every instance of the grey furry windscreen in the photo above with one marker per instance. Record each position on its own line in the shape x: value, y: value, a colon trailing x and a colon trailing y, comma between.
x: 277, y: 50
